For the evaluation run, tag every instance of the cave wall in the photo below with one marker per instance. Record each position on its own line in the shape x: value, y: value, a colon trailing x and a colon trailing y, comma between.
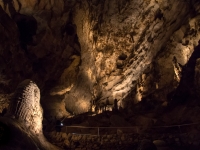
x: 134, y: 44
x: 164, y: 75
x: 90, y: 50
x: 40, y: 43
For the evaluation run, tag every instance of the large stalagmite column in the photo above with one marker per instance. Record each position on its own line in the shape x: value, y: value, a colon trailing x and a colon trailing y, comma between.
x: 25, y: 106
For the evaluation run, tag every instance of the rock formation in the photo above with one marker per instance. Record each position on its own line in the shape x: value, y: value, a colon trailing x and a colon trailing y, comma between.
x: 26, y: 107
x: 83, y: 51
x: 24, y: 117
x: 136, y: 55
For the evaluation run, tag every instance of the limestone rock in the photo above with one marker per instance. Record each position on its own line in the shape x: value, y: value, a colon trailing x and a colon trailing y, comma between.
x: 26, y: 107
x: 89, y: 50
x: 24, y: 119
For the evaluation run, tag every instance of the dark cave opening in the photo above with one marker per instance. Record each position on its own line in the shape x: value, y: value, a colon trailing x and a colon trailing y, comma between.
x: 27, y: 26
x: 186, y: 90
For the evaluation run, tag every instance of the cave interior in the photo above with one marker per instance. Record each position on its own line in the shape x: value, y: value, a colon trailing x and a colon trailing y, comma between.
x: 91, y: 74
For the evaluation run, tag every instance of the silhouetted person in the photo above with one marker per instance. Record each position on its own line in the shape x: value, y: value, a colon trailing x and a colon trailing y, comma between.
x: 115, y: 107
x: 96, y: 109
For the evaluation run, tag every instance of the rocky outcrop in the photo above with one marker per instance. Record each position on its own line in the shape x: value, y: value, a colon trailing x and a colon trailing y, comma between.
x: 123, y: 39
x: 15, y: 135
x: 36, y: 44
x: 24, y: 119
x: 87, y: 51
x: 68, y: 77
x: 25, y: 106
x: 163, y: 75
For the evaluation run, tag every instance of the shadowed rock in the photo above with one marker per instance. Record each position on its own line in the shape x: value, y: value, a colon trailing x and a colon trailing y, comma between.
x: 22, y: 126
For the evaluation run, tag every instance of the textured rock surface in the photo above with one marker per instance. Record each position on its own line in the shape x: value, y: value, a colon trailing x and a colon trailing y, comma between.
x: 18, y: 136
x: 24, y: 120
x: 141, y: 55
x: 126, y: 141
x: 26, y: 107
x: 78, y: 51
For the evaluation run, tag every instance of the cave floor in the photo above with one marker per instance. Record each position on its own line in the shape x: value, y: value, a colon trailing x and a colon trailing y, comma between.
x: 178, y: 128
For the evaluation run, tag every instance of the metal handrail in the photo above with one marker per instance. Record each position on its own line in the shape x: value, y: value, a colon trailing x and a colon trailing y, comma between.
x: 129, y: 127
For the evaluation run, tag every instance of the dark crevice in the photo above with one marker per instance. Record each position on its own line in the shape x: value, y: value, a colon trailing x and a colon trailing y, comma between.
x: 186, y: 90
x: 27, y: 25
x: 70, y: 29
x: 158, y: 15
x: 122, y: 56
x: 5, y: 134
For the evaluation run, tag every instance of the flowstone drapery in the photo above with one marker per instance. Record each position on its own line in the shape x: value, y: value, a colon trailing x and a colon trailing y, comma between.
x: 25, y: 106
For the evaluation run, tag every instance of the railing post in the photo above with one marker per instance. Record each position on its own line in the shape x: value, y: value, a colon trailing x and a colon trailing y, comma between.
x: 98, y: 131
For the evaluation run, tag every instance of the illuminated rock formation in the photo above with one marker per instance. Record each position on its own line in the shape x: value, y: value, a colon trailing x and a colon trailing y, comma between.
x: 94, y: 50
x: 24, y: 117
x: 26, y: 107
x: 85, y: 53
x: 68, y: 78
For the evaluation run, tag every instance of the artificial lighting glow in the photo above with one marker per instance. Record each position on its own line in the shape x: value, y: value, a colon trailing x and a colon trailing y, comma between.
x: 157, y: 85
x: 83, y: 105
x: 89, y: 73
x: 138, y: 97
x: 93, y: 108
